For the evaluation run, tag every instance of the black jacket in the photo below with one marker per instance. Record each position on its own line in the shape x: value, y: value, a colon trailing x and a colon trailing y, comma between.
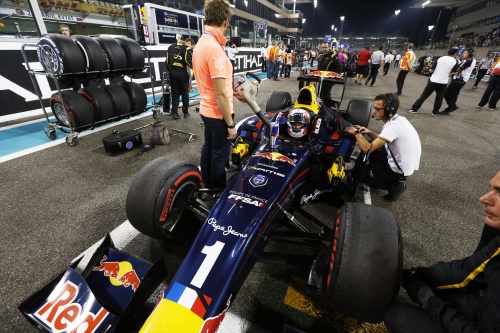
x: 477, y: 278
x: 330, y: 62
x: 178, y: 57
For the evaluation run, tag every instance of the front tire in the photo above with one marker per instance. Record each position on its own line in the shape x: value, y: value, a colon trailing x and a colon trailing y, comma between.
x: 365, y: 268
x: 278, y: 100
x: 158, y: 196
x: 358, y: 112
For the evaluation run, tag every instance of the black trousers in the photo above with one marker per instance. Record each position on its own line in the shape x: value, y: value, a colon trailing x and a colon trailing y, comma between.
x: 263, y: 64
x: 378, y: 174
x: 431, y: 87
x: 451, y: 94
x: 480, y: 74
x: 386, y: 67
x: 179, y: 83
x: 373, y: 73
x: 492, y: 93
x: 288, y: 69
x: 400, y: 81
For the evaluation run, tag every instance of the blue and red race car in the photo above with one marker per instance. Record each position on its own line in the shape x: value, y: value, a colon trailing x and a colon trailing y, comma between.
x: 287, y: 157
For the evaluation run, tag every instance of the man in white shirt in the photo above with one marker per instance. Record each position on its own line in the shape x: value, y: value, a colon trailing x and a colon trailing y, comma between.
x: 461, y: 77
x: 387, y: 62
x: 396, y: 62
x: 232, y: 50
x: 376, y: 60
x: 395, y: 152
x: 263, y: 57
x: 438, y: 81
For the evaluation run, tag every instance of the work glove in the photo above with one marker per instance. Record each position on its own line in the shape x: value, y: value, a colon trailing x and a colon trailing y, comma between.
x: 418, y: 290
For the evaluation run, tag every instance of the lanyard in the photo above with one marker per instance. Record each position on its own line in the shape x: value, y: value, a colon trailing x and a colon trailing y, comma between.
x: 217, y: 39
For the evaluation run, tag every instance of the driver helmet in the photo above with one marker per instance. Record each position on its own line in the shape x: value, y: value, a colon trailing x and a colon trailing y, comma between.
x: 298, y: 122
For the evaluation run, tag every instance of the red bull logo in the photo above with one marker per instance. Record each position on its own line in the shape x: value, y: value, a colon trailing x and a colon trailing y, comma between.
x: 333, y: 74
x: 212, y: 324
x: 276, y: 157
x: 316, y: 73
x: 61, y: 312
x: 119, y: 273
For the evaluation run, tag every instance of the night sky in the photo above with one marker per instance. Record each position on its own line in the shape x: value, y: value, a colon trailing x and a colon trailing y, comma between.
x: 364, y: 17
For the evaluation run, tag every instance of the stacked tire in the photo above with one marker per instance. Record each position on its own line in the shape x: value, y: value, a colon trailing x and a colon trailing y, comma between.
x: 83, y: 58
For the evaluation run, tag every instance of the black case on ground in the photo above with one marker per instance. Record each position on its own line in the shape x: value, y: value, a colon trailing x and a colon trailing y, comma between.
x: 122, y: 142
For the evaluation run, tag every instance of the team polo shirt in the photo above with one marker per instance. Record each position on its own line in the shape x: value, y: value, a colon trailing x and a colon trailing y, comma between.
x: 377, y: 57
x: 466, y: 66
x: 408, y: 60
x: 211, y: 62
x: 443, y: 69
x: 404, y: 142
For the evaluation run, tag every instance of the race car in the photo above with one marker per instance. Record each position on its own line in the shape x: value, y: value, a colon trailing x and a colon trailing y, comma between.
x: 289, y: 156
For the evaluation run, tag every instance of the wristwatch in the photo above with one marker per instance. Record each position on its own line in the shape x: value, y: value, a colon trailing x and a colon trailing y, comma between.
x: 232, y: 126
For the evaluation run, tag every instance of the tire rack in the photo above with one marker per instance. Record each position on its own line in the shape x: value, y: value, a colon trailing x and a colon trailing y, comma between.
x: 72, y: 133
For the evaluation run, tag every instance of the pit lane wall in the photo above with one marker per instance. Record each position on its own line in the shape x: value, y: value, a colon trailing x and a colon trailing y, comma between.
x: 18, y: 96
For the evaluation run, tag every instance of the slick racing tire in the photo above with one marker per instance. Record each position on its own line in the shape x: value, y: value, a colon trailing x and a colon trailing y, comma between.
x: 365, y: 268
x: 358, y: 112
x: 101, y: 103
x: 59, y: 54
x: 95, y: 58
x: 133, y: 53
x: 137, y: 95
x: 278, y: 100
x: 119, y: 98
x: 75, y: 112
x: 158, y: 195
x: 115, y: 56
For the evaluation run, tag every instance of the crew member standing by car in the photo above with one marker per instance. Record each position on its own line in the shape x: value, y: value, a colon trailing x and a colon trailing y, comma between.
x: 482, y: 68
x: 398, y: 144
x: 406, y: 65
x: 441, y: 71
x: 178, y: 59
x: 459, y: 295
x: 459, y: 80
x: 214, y: 74
x: 328, y: 61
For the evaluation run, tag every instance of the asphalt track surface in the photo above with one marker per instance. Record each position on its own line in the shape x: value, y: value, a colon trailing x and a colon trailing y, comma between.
x: 58, y: 202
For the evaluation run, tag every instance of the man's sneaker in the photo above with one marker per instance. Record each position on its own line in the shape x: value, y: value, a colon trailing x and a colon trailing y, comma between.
x: 187, y: 115
x: 366, y: 82
x: 474, y: 87
x: 394, y: 191
x: 355, y: 81
x: 479, y: 107
x: 411, y: 111
x: 398, y: 93
x: 373, y: 85
x: 435, y: 113
x: 444, y: 113
x: 492, y: 109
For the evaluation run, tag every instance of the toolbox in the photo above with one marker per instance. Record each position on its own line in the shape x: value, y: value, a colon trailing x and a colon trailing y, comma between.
x: 121, y: 142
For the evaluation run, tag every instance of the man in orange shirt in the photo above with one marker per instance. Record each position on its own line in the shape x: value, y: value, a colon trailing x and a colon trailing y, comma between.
x: 214, y: 76
x: 270, y: 60
x: 406, y: 65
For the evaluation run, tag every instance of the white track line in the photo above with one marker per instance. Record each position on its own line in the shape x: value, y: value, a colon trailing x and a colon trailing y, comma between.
x: 366, y: 194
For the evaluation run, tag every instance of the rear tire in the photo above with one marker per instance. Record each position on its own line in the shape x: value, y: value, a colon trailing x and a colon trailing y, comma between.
x: 158, y: 194
x: 278, y: 100
x: 76, y: 110
x: 100, y: 101
x: 60, y: 55
x: 119, y: 98
x: 365, y: 268
x: 134, y: 54
x: 358, y: 112
x: 137, y: 95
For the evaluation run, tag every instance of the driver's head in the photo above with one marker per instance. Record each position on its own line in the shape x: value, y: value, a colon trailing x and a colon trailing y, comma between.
x: 298, y: 122
x: 491, y: 203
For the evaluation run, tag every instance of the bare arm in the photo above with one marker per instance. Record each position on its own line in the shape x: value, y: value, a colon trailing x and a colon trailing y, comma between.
x: 222, y: 99
x: 366, y: 146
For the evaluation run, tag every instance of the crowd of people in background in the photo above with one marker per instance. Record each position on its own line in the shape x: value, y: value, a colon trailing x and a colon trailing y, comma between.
x: 485, y: 39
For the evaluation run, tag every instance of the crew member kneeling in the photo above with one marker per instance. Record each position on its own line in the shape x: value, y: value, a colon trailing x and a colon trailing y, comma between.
x: 399, y: 146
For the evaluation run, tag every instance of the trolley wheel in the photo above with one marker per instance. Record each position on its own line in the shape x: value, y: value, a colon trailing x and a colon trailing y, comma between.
x: 95, y: 58
x: 119, y: 98
x: 72, y: 140
x: 59, y: 55
x: 158, y: 196
x: 278, y: 100
x: 76, y: 111
x: 137, y: 96
x: 51, y: 134
x: 116, y: 57
x: 134, y: 53
x: 101, y: 103
x: 156, y: 113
